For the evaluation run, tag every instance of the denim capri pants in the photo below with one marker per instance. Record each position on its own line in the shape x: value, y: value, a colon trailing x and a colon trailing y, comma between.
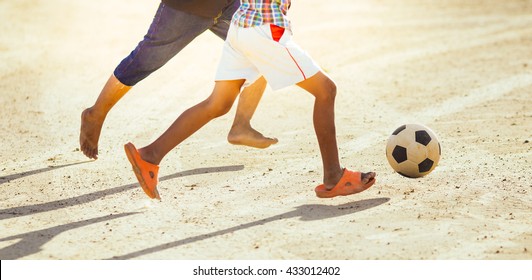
x: 170, y: 31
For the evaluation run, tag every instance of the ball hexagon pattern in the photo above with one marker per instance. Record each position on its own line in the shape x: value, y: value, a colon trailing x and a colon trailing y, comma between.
x: 413, y: 150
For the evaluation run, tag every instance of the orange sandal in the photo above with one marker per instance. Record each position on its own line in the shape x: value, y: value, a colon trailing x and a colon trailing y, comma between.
x: 146, y: 172
x: 350, y: 183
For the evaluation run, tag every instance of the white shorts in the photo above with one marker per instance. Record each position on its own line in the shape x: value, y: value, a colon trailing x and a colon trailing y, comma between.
x: 264, y: 50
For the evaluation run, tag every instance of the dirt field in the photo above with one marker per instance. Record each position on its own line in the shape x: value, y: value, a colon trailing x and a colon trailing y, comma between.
x: 463, y: 68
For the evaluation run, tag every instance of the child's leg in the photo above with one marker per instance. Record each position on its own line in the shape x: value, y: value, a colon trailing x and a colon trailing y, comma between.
x: 190, y: 121
x: 241, y: 132
x: 324, y: 90
x: 92, y: 118
x: 170, y: 31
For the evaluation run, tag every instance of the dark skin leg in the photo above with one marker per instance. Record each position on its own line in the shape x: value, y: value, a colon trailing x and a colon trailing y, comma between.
x: 324, y: 91
x: 241, y: 132
x: 220, y: 102
x: 92, y: 118
x: 191, y: 120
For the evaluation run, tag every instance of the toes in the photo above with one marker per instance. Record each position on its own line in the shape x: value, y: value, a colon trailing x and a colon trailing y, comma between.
x: 270, y: 141
x: 366, y: 177
x: 93, y: 153
x: 84, y: 149
x: 88, y: 152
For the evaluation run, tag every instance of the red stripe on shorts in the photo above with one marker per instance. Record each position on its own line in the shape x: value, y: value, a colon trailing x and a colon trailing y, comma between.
x: 277, y: 33
x: 300, y: 70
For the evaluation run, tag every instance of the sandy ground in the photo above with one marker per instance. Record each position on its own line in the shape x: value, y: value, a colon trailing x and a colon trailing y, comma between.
x: 463, y: 68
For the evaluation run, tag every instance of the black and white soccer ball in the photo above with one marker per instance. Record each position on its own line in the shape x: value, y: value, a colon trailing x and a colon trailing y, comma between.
x: 413, y: 150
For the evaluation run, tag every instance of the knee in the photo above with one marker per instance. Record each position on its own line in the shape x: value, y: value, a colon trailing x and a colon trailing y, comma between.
x: 328, y: 91
x: 217, y: 109
x: 223, y: 109
x: 331, y: 88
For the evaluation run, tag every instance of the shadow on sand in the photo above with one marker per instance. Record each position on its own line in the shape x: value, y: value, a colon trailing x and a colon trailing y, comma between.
x: 31, y: 242
x: 11, y: 177
x: 20, y: 211
x: 310, y: 212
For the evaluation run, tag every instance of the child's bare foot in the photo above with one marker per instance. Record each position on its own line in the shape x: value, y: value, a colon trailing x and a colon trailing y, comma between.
x: 90, y: 133
x: 248, y: 136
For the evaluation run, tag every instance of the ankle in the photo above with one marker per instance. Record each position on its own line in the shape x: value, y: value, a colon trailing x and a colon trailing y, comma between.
x: 238, y: 126
x: 330, y: 179
x: 149, y: 155
x: 94, y: 114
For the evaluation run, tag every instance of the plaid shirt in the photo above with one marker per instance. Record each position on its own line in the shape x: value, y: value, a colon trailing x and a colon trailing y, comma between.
x: 259, y: 12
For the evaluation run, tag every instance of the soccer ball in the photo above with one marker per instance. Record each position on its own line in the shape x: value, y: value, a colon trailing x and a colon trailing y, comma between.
x: 413, y: 150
